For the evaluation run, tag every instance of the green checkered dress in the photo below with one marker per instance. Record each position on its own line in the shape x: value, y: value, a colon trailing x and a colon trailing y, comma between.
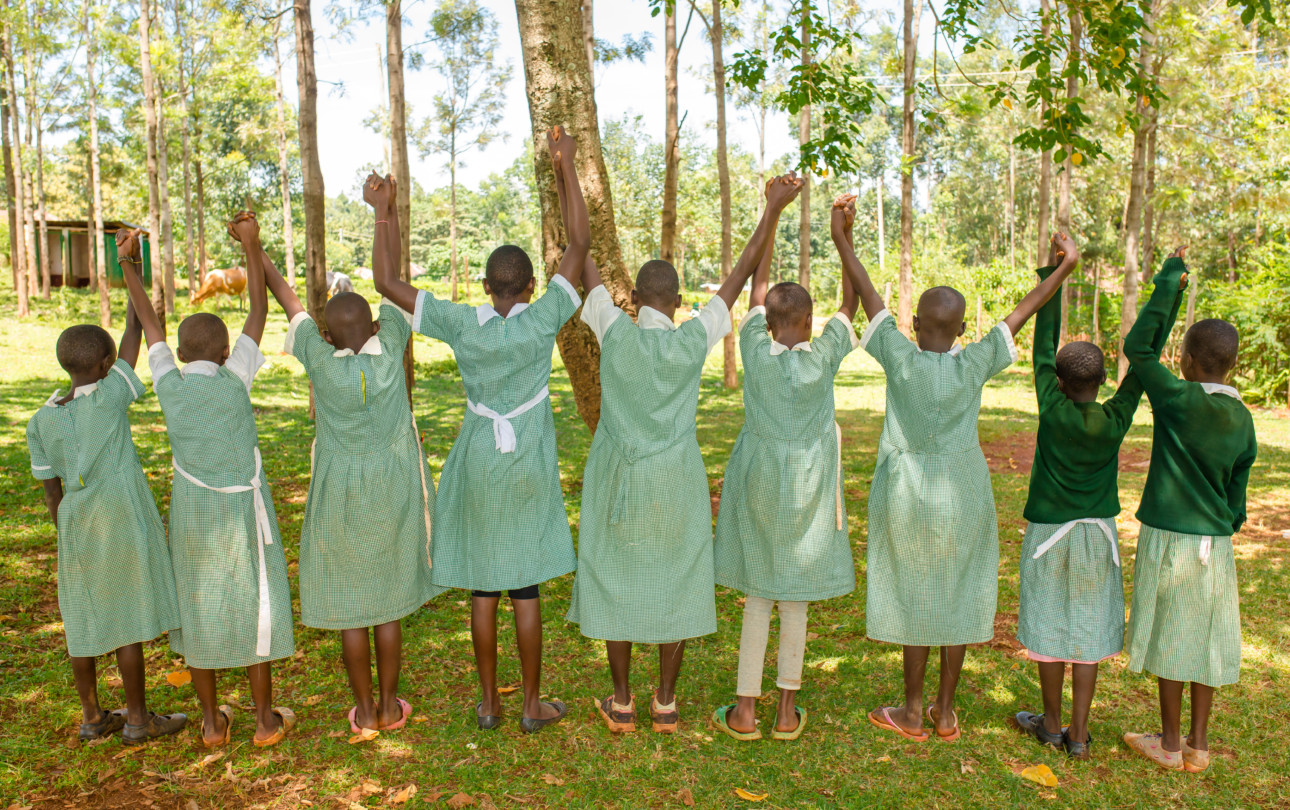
x: 364, y: 547
x: 115, y: 584
x: 500, y: 521
x: 1185, y: 621
x: 782, y: 529
x: 933, y: 553
x: 645, y: 570
x: 214, y: 542
x: 1072, y: 596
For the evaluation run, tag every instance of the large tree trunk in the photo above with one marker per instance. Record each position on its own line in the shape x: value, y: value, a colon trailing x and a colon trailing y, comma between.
x: 723, y: 180
x: 284, y: 166
x: 185, y: 131
x: 1045, y: 161
x: 13, y: 169
x: 671, y: 142
x: 905, y: 306
x: 560, y: 90
x: 1068, y: 167
x: 154, y: 193
x: 399, y: 159
x: 311, y: 169
x: 167, y: 218
x: 1137, y: 193
x: 804, y: 135
x: 589, y: 34
x: 96, y: 178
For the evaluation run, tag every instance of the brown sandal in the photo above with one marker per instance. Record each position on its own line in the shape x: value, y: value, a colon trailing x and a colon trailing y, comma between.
x: 619, y: 722
x: 227, y: 711
x: 664, y: 722
x: 288, y: 723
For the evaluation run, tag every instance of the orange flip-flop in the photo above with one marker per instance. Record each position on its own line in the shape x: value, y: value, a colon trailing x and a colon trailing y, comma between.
x: 953, y: 735
x: 884, y: 721
x: 288, y: 723
x: 227, y: 711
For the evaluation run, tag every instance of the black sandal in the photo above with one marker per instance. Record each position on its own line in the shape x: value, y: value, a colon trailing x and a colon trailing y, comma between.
x: 110, y: 723
x: 1076, y: 750
x: 159, y: 725
x: 1033, y: 725
x: 530, y: 725
x: 487, y: 722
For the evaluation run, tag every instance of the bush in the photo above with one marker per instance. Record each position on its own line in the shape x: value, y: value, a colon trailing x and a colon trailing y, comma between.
x: 1258, y: 305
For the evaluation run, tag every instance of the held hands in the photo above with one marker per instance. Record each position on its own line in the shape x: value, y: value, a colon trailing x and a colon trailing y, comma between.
x: 1180, y: 252
x: 781, y: 191
x: 129, y: 245
x: 1063, y: 250
x: 562, y: 148
x: 843, y: 217
x: 377, y: 192
x: 244, y: 228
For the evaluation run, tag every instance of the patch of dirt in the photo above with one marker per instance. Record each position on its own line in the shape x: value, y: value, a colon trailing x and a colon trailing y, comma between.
x: 1015, y: 453
x: 1005, y: 635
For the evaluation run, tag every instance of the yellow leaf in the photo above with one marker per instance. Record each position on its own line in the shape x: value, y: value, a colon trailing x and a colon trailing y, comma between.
x: 1119, y: 130
x: 313, y: 700
x: 1007, y: 102
x: 552, y: 779
x: 403, y: 795
x: 1077, y: 159
x: 750, y: 797
x: 1041, y: 774
x: 179, y: 678
x: 364, y: 735
x: 209, y: 758
x: 1117, y: 56
x: 506, y: 690
x: 884, y: 758
x: 370, y: 788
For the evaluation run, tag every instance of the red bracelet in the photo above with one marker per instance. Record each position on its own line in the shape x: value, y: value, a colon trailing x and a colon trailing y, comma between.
x: 382, y: 222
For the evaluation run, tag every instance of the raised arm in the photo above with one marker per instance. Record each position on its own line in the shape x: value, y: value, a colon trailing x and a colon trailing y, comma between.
x: 573, y: 208
x: 1068, y: 253
x: 246, y: 230
x: 780, y: 191
x: 378, y: 191
x: 128, y: 252
x: 1151, y: 330
x: 841, y: 221
x: 128, y: 349
x: 761, y: 277
x: 278, y: 286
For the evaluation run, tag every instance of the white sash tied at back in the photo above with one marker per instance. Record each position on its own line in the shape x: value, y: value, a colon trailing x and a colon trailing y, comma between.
x: 1101, y: 523
x: 503, y: 430
x: 263, y: 536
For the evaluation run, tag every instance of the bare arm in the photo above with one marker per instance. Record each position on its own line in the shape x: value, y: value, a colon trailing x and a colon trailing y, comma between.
x: 128, y: 349
x: 128, y: 250
x: 281, y: 290
x: 394, y: 233
x: 53, y: 498
x: 573, y: 207
x: 761, y: 277
x: 1046, y: 288
x: 843, y: 217
x: 245, y: 230
x: 590, y: 272
x: 779, y: 193
x: 377, y: 192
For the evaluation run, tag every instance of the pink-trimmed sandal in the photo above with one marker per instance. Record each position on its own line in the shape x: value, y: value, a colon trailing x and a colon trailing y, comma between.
x: 1149, y: 746
x: 402, y: 721
x: 884, y: 722
x: 951, y: 736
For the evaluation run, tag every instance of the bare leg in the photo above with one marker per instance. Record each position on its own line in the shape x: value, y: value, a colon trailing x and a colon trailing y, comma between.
x: 261, y: 678
x: 356, y: 650
x: 910, y: 717
x: 1170, y: 714
x: 85, y: 676
x: 786, y: 719
x: 1202, y: 700
x: 951, y: 667
x: 483, y: 634
x: 206, y: 685
x: 1051, y: 676
x: 528, y: 635
x: 669, y: 669
x: 129, y: 659
x: 1083, y: 683
x: 388, y: 639
x: 620, y: 667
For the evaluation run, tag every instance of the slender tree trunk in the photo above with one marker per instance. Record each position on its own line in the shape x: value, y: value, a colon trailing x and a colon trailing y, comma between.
x: 201, y: 201
x: 1137, y: 189
x: 804, y: 135
x: 13, y: 165
x: 671, y: 142
x: 1097, y: 296
x: 91, y: 252
x: 880, y: 191
x: 96, y: 177
x: 8, y: 187
x: 1231, y: 237
x: 315, y: 195
x: 1012, y: 207
x: 1068, y: 167
x: 399, y: 159
x: 37, y: 256
x: 905, y: 308
x: 560, y: 88
x: 452, y: 220
x: 154, y: 193
x: 723, y: 179
x: 46, y: 261
x: 185, y: 132
x: 1045, y: 159
x: 284, y: 166
x: 163, y: 187
x: 1192, y: 289
x: 1149, y: 210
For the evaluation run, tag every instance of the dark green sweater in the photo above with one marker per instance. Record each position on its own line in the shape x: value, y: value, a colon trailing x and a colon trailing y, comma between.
x: 1203, y: 444
x: 1077, y: 447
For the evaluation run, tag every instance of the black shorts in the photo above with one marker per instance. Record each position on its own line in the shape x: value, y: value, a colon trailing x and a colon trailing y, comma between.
x: 531, y: 592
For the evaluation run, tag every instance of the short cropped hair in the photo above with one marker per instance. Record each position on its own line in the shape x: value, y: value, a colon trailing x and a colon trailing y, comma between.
x: 202, y: 335
x: 1081, y: 365
x: 786, y: 303
x: 1213, y: 345
x: 82, y: 348
x: 658, y: 282
x: 941, y: 308
x: 509, y: 271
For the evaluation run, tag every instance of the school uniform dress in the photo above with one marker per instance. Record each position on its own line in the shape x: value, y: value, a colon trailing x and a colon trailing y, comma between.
x: 115, y: 584
x: 230, y: 569
x: 933, y: 550
x: 645, y: 569
x: 1072, y: 591
x: 1185, y: 622
x: 365, y: 543
x: 782, y: 527
x: 500, y: 521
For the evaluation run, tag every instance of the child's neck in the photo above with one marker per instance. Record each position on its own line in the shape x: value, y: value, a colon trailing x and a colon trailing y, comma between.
x: 935, y: 343
x: 503, y: 306
x: 790, y: 336
x: 79, y: 381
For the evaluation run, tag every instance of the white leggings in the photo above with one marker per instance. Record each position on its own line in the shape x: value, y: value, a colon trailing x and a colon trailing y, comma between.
x: 756, y: 634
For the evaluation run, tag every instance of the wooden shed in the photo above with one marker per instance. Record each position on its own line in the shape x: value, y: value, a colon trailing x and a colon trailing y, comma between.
x: 69, y: 253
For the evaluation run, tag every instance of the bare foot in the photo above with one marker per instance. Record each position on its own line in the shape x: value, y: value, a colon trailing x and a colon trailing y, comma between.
x: 215, y: 736
x: 743, y: 717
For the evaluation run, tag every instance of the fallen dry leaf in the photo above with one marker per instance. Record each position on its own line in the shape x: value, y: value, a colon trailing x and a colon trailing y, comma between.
x: 1041, y: 774
x: 685, y: 797
x: 364, y: 735
x: 966, y: 766
x: 192, y: 805
x: 884, y: 758
x: 552, y: 779
x: 420, y: 718
x: 335, y: 734
x: 179, y: 677
x: 461, y: 800
x: 486, y: 802
x: 749, y: 796
x: 105, y: 773
x: 313, y: 700
x: 370, y: 788
x: 518, y: 799
x: 209, y: 758
x: 403, y: 795
x: 506, y: 690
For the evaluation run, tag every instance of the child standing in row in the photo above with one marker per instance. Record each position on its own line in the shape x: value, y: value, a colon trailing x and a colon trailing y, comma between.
x: 500, y: 522
x: 1072, y: 591
x: 933, y: 552
x: 116, y: 589
x: 230, y: 570
x: 1185, y: 622
x: 782, y: 533
x: 365, y: 543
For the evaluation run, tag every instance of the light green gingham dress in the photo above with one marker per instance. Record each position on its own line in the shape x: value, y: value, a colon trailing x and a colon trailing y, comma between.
x: 782, y: 529
x: 115, y: 584
x: 500, y: 521
x: 645, y: 570
x: 365, y: 544
x: 230, y: 570
x: 933, y: 552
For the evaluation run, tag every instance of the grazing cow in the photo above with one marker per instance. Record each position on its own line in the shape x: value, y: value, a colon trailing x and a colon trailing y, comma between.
x: 230, y: 282
x: 338, y: 283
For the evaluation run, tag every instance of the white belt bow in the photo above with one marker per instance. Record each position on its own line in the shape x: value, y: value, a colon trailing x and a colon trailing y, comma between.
x: 1065, y: 529
x: 503, y: 430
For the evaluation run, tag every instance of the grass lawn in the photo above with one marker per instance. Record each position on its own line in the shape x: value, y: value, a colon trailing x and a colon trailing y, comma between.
x: 841, y: 761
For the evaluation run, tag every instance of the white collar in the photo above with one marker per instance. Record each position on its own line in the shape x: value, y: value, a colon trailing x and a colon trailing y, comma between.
x: 777, y: 348
x: 650, y: 318
x: 485, y: 312
x: 77, y: 393
x: 372, y: 346
x: 206, y: 368
x: 1219, y: 388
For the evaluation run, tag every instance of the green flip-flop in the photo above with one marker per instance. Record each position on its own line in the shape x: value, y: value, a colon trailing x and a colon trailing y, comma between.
x: 795, y: 733
x: 719, y: 720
